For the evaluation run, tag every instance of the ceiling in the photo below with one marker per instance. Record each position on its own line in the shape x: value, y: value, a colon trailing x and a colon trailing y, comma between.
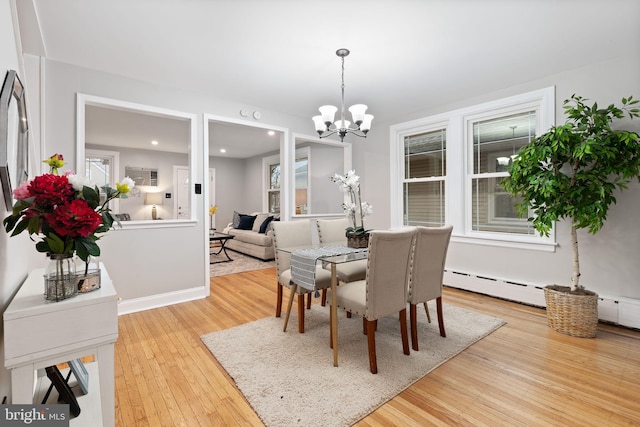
x: 406, y: 55
x: 115, y: 127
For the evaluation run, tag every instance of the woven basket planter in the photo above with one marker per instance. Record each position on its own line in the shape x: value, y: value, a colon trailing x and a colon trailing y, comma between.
x: 571, y: 314
x: 358, y: 240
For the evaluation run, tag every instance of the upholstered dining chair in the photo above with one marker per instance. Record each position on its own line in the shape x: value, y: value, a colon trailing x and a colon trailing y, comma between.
x: 427, y: 271
x: 384, y: 290
x: 293, y: 234
x: 332, y: 231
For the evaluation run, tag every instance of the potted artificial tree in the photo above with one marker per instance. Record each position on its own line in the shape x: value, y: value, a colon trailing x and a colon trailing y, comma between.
x: 571, y: 172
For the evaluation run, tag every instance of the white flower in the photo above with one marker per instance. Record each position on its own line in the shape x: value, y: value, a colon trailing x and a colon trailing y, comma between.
x: 125, y: 186
x: 349, y: 208
x: 366, y: 208
x: 78, y: 182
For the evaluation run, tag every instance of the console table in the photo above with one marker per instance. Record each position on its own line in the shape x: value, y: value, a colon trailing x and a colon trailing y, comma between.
x: 38, y: 333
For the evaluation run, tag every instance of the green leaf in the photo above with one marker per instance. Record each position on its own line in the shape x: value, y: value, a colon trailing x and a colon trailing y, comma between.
x: 92, y: 196
x: 56, y: 244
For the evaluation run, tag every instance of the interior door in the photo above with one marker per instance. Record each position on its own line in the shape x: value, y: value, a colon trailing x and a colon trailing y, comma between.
x: 182, y: 187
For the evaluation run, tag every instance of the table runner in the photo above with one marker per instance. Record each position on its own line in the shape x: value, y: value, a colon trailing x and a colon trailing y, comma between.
x: 303, y: 263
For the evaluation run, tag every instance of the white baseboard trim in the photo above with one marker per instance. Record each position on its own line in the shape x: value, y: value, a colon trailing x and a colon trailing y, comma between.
x: 161, y: 300
x: 618, y: 310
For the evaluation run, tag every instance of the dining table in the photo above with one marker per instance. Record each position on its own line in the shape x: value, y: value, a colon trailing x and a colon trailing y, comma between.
x: 330, y: 256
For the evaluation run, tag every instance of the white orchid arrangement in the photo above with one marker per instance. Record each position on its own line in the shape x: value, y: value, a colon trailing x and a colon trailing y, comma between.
x: 354, y: 209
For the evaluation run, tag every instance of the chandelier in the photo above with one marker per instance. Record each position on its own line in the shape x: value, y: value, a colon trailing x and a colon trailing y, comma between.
x: 325, y: 125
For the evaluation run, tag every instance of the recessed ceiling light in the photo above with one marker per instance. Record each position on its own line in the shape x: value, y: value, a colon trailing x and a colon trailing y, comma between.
x: 154, y: 142
x: 271, y: 133
x: 222, y: 150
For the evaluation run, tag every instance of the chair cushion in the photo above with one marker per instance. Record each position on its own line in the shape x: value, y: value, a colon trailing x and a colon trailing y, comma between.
x: 352, y: 295
x: 351, y: 271
x: 323, y: 280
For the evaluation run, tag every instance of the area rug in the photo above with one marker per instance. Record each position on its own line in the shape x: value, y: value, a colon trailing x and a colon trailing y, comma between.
x: 240, y: 263
x: 289, y: 378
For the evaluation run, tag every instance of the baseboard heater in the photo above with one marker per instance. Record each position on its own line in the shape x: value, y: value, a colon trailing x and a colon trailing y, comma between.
x: 620, y: 310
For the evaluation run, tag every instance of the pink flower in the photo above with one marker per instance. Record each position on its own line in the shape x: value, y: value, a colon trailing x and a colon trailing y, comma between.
x: 22, y: 192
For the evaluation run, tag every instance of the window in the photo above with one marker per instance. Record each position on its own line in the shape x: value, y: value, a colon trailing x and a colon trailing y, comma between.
x: 273, y: 192
x: 424, y: 178
x: 496, y: 141
x: 447, y: 168
x: 274, y: 181
x: 101, y: 167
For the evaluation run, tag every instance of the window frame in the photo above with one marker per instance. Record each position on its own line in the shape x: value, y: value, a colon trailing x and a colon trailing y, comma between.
x: 430, y: 127
x: 469, y: 121
x: 459, y: 155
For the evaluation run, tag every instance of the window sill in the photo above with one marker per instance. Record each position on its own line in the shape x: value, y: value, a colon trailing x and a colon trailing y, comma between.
x: 542, y: 246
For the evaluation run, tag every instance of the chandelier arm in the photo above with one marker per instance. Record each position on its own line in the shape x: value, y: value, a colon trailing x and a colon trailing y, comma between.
x: 343, y: 133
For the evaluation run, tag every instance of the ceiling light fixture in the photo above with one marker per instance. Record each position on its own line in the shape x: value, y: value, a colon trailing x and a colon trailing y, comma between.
x: 343, y: 127
x: 154, y: 142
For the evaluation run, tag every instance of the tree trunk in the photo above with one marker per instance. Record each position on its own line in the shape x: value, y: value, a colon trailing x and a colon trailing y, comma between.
x: 575, y: 273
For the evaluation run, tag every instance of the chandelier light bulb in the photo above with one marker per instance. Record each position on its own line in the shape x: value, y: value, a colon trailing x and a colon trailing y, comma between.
x: 366, y: 123
x: 320, y: 124
x: 328, y: 113
x: 342, y: 124
x: 357, y: 113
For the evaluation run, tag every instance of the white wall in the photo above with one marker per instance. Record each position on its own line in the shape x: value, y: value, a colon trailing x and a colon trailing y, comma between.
x: 609, y: 260
x: 145, y: 263
x: 17, y: 254
x: 230, y: 182
x: 163, y: 162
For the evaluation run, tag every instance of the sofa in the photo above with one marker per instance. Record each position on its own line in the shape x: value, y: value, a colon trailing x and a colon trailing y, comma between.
x: 252, y: 235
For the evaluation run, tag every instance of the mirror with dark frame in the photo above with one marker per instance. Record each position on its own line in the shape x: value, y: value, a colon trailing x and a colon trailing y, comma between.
x: 14, y: 136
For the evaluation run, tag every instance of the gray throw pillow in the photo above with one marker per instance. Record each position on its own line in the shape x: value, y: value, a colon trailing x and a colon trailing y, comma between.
x: 236, y: 219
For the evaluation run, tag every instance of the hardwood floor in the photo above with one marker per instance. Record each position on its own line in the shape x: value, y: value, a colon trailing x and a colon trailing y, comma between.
x: 522, y: 374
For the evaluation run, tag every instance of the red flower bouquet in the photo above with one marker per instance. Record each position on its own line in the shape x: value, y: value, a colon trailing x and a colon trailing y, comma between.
x: 66, y: 212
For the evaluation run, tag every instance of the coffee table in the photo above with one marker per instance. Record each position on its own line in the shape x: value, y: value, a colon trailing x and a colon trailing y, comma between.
x: 222, y: 238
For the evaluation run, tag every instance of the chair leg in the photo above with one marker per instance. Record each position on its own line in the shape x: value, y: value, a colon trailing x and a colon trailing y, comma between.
x: 330, y: 329
x: 426, y: 309
x: 294, y: 288
x: 279, y: 299
x: 413, y: 316
x: 403, y: 331
x: 371, y: 341
x: 348, y: 315
x: 440, y: 318
x: 323, y: 302
x: 301, y: 313
x: 364, y: 325
x: 309, y: 301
